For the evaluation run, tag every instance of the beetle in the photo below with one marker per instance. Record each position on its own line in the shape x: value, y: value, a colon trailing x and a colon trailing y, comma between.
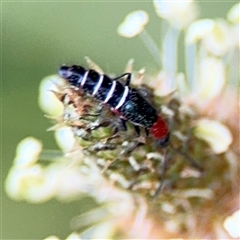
x: 123, y: 99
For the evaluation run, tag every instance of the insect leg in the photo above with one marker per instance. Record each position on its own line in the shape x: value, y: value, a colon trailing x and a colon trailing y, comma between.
x: 137, y: 128
x: 147, y: 131
x: 122, y: 124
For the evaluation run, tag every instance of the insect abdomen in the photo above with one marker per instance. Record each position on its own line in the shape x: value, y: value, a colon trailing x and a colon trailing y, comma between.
x: 99, y: 86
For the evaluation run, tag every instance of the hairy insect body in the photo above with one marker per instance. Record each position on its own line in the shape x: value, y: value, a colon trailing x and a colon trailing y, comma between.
x: 122, y: 99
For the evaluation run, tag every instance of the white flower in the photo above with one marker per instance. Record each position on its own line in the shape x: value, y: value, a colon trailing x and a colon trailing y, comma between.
x: 28, y: 184
x: 65, y: 138
x: 216, y: 35
x: 235, y: 35
x: 234, y: 14
x: 133, y: 24
x: 178, y: 13
x: 74, y: 236
x: 27, y: 152
x: 198, y: 30
x: 219, y: 40
x: 48, y: 101
x: 233, y: 17
x: 52, y: 238
x: 212, y: 78
x: 162, y: 84
x: 71, y: 183
x: 197, y: 192
x: 231, y: 224
x: 215, y: 134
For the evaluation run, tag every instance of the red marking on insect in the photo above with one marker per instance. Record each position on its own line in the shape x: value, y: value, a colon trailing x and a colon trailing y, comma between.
x: 159, y: 129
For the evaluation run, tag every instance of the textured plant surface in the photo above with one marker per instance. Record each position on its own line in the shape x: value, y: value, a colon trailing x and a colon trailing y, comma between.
x: 197, y: 172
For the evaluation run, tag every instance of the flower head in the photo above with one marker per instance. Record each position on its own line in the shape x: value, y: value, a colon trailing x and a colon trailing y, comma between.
x: 215, y: 35
x: 65, y: 138
x: 48, y: 100
x: 198, y: 30
x: 178, y: 13
x: 215, y: 134
x: 231, y: 224
x: 121, y: 170
x: 234, y: 14
x: 28, y: 151
x: 133, y: 24
x: 212, y: 78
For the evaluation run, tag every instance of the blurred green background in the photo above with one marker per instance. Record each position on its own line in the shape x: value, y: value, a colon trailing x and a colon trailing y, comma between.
x: 37, y: 37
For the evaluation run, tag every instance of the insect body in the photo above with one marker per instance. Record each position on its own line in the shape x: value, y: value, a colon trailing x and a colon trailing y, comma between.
x: 123, y: 100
